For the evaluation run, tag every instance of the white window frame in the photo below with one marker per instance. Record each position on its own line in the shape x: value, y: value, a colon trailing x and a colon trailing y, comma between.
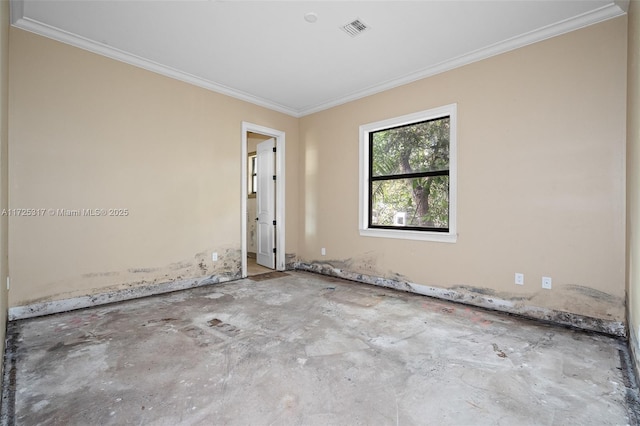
x: 431, y: 114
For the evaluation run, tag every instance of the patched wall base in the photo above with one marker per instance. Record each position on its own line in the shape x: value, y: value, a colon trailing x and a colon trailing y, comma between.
x: 615, y: 328
x: 64, y: 305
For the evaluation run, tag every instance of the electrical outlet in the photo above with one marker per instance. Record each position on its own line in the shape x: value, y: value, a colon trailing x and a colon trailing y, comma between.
x: 323, y: 251
x: 519, y: 279
x: 546, y: 282
x: 214, y: 256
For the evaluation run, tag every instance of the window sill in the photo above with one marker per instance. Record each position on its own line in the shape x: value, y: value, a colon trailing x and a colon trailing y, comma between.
x: 441, y: 237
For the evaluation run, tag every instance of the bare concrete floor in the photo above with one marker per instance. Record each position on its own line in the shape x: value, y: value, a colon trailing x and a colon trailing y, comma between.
x: 305, y: 349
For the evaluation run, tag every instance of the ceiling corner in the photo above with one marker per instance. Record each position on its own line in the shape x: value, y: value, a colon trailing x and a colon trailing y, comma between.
x: 623, y: 5
x: 16, y: 10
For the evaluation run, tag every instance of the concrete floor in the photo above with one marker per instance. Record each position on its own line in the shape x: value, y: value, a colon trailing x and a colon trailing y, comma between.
x: 299, y: 348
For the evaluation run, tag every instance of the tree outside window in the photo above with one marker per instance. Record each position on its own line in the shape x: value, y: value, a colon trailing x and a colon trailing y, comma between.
x: 409, y: 179
x: 408, y: 176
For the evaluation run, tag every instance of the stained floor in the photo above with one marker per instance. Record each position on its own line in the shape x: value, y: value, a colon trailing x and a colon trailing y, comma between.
x: 300, y: 348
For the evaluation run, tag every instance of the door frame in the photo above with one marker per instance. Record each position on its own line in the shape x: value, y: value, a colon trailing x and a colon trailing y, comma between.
x: 280, y: 192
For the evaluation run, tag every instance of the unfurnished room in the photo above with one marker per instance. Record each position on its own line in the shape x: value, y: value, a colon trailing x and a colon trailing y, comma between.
x: 320, y: 213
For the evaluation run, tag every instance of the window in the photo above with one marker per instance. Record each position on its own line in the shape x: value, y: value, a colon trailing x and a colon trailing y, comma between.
x: 408, y: 176
x: 253, y: 175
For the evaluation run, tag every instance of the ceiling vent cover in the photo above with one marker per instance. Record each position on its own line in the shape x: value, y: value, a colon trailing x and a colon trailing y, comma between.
x: 354, y: 28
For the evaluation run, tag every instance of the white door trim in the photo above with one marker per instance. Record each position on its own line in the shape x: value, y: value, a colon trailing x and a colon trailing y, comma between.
x: 280, y: 192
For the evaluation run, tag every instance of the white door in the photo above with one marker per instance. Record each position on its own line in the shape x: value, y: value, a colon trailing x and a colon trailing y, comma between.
x: 265, y: 205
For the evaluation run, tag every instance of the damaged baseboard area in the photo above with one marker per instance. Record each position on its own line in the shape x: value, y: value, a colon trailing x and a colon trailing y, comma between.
x: 615, y: 328
x: 64, y: 305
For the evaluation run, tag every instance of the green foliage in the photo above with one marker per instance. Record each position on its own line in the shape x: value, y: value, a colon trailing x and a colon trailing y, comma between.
x: 415, y: 148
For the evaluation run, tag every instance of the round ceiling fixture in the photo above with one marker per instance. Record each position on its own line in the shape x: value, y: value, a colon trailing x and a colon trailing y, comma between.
x: 310, y: 17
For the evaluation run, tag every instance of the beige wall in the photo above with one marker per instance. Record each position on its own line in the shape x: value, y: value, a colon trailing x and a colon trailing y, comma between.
x: 4, y: 141
x: 633, y: 179
x: 88, y: 132
x: 541, y: 142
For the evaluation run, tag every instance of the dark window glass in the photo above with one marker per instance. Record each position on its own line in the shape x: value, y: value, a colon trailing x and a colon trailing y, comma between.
x: 409, y: 176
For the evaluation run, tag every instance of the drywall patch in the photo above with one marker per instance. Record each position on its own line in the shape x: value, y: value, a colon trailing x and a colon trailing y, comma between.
x: 139, y: 282
x: 482, y: 291
x: 580, y: 300
x: 463, y: 294
x: 64, y: 305
x: 365, y: 265
x: 290, y: 261
x: 198, y: 267
x: 592, y: 293
x: 229, y: 262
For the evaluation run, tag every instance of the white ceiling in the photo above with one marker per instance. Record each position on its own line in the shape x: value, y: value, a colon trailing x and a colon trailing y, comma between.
x: 266, y: 53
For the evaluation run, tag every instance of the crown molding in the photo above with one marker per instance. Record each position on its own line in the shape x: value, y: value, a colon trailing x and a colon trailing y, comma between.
x: 48, y: 31
x: 610, y: 11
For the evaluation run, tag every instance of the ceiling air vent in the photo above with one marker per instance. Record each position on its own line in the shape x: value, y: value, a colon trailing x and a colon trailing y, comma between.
x: 354, y: 28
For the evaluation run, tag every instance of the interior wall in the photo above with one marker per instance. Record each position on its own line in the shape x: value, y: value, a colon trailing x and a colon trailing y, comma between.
x: 4, y: 138
x: 633, y: 181
x: 541, y: 176
x: 541, y: 185
x: 88, y: 132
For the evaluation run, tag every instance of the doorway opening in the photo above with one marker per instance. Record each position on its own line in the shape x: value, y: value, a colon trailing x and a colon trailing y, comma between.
x: 263, y: 196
